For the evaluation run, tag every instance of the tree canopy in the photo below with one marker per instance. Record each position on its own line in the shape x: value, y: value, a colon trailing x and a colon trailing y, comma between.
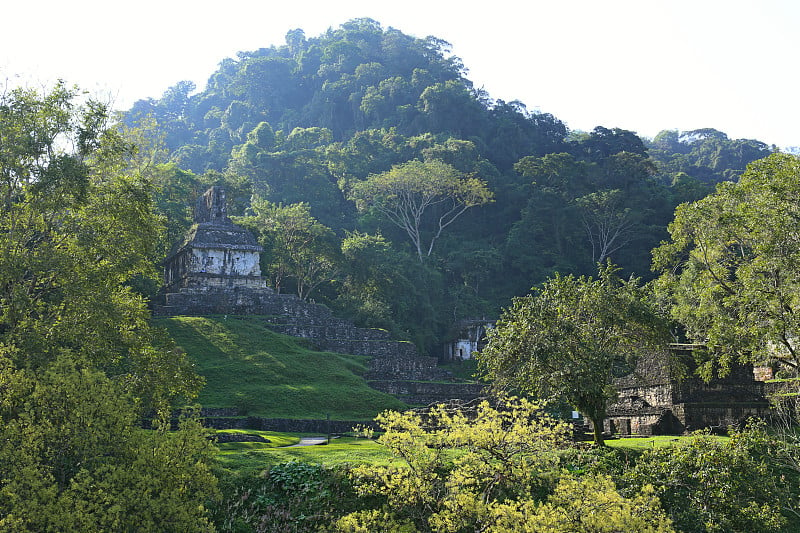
x: 79, y: 362
x: 422, y: 198
x: 495, y: 470
x: 731, y: 268
x: 570, y: 338
x: 317, y: 119
x: 298, y: 247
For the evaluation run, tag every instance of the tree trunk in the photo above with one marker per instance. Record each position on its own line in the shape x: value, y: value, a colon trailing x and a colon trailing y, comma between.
x: 597, y: 426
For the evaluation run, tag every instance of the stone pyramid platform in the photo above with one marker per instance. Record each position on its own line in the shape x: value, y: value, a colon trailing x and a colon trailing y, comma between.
x: 395, y: 366
x: 215, y: 270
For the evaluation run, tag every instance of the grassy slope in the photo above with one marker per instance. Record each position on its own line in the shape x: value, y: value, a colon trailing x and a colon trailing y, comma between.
x: 263, y: 373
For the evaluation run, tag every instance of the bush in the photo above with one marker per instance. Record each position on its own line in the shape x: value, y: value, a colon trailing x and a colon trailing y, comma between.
x: 289, y: 497
x: 708, y: 484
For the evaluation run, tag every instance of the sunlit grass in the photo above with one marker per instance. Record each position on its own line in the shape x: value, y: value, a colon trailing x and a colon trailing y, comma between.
x: 263, y: 373
x: 344, y: 450
x: 275, y: 439
x: 648, y: 443
x: 253, y: 456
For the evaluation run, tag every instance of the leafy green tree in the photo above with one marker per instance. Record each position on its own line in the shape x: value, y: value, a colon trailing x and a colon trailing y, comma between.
x: 422, y: 198
x: 373, y: 282
x: 291, y: 169
x: 607, y: 221
x: 516, y: 132
x: 591, y: 504
x: 731, y: 267
x: 175, y: 193
x: 581, y: 212
x: 292, y: 497
x: 297, y: 246
x: 569, y: 338
x: 547, y: 237
x: 451, y: 107
x: 602, y: 143
x: 73, y: 457
x: 382, y: 287
x: 507, y: 454
x: 471, y: 267
x: 706, y: 154
x: 79, y: 361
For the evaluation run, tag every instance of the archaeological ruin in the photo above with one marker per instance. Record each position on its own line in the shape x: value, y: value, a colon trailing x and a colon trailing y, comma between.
x: 216, y: 270
x: 663, y: 396
x: 216, y: 253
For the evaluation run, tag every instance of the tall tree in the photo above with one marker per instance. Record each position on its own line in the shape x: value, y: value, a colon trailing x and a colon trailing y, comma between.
x: 569, y: 338
x: 79, y: 361
x: 608, y: 222
x: 422, y: 198
x: 548, y: 236
x: 296, y: 245
x: 733, y: 265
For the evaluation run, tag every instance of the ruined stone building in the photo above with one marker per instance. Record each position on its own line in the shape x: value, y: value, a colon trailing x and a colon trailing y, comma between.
x: 468, y: 337
x: 216, y: 253
x: 663, y: 396
x: 216, y: 270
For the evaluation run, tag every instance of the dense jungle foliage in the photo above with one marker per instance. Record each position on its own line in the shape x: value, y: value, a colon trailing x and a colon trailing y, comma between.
x: 298, y: 132
x: 80, y: 363
x: 382, y: 183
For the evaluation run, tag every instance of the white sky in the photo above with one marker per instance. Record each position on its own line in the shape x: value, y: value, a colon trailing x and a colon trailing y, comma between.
x: 643, y: 65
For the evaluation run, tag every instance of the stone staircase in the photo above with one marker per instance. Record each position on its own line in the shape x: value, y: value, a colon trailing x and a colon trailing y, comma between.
x: 395, y: 366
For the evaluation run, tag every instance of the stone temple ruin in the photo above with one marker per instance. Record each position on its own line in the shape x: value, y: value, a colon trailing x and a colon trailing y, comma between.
x: 662, y: 398
x: 216, y: 253
x: 216, y: 270
x: 468, y: 337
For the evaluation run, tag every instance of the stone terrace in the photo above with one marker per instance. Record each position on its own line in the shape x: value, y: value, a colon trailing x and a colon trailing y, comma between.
x: 395, y: 366
x: 216, y: 271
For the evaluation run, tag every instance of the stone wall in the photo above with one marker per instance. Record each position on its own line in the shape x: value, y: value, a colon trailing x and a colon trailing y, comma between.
x: 721, y: 416
x: 643, y: 396
x: 649, y: 421
x: 738, y: 386
x: 427, y: 392
x: 215, y: 300
x: 663, y: 396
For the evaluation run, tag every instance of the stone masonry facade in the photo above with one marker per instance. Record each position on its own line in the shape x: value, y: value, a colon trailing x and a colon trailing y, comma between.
x: 661, y: 398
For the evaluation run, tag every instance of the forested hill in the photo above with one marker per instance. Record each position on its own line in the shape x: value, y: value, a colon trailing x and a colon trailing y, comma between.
x: 314, y: 137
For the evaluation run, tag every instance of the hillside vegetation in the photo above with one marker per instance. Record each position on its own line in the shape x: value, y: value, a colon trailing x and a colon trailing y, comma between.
x: 314, y: 140
x: 81, y: 365
x: 263, y: 373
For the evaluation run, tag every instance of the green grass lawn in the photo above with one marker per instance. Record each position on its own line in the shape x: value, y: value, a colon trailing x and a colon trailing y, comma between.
x: 252, y: 456
x: 648, y: 443
x: 275, y: 438
x: 242, y: 457
x: 263, y: 373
